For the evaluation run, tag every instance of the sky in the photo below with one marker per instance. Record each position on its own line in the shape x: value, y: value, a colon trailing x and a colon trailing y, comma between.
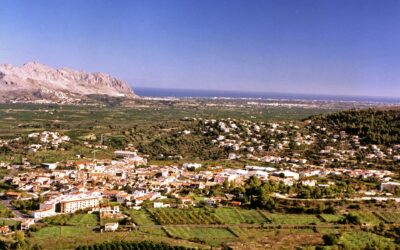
x: 340, y: 47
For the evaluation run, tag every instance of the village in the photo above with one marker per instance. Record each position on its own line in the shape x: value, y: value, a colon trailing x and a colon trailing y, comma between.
x: 94, y: 184
x: 300, y: 161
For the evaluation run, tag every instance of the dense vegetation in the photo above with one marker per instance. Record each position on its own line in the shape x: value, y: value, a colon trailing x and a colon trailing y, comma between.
x: 4, y: 212
x: 373, y: 126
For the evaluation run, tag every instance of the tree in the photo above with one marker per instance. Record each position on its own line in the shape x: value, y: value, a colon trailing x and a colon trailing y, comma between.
x: 330, y: 239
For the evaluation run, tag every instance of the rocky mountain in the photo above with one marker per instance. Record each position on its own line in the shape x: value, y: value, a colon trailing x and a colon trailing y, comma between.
x: 36, y: 82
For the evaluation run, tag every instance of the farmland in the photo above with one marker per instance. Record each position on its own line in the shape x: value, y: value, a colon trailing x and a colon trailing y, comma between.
x: 362, y: 240
x: 141, y: 218
x: 367, y: 217
x: 331, y: 218
x: 213, y: 227
x: 389, y: 217
x: 185, y: 216
x: 211, y: 236
x: 62, y: 231
x: 239, y: 216
x: 292, y: 219
x: 84, y: 220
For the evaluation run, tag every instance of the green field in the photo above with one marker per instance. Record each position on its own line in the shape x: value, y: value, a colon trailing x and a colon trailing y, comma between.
x: 68, y: 237
x: 367, y: 217
x: 167, y: 216
x: 362, y: 240
x: 212, y: 236
x: 389, y: 217
x: 251, y: 232
x: 292, y: 219
x: 84, y: 219
x: 140, y: 217
x: 9, y: 222
x: 331, y: 218
x: 238, y: 216
x: 62, y: 231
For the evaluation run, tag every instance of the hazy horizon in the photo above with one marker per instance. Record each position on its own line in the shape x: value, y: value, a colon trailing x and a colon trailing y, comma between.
x: 346, y: 48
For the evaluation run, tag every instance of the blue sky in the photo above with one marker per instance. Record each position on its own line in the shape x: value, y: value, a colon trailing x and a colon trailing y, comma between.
x: 343, y: 47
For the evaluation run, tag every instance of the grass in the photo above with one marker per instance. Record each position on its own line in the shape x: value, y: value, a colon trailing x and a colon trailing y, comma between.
x: 331, y: 218
x: 251, y: 232
x: 9, y: 222
x: 292, y: 219
x: 367, y: 217
x: 389, y: 217
x: 171, y: 216
x: 62, y: 231
x: 5, y: 212
x: 140, y: 217
x: 239, y: 216
x: 51, y: 238
x: 362, y: 240
x: 212, y: 236
x: 84, y: 219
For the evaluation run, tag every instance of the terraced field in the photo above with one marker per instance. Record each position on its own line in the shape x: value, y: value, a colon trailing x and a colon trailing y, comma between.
x: 331, y: 218
x: 292, y: 219
x: 239, y: 216
x: 251, y: 232
x: 84, y: 219
x: 141, y: 217
x: 65, y: 231
x: 170, y: 216
x: 367, y: 217
x: 363, y: 240
x: 389, y: 217
x: 212, y: 236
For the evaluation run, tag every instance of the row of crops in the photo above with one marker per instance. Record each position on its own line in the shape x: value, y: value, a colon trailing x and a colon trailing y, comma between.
x: 389, y: 217
x: 231, y: 216
x: 169, y: 216
x: 365, y: 240
x: 212, y: 236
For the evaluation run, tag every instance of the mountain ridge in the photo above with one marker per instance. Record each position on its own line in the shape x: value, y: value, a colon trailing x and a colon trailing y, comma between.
x: 37, y: 82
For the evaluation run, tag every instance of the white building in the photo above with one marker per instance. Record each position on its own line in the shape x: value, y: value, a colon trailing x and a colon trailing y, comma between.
x: 111, y: 227
x: 192, y: 165
x: 46, y: 210
x: 390, y: 186
x: 75, y: 203
x: 49, y: 166
x: 26, y: 224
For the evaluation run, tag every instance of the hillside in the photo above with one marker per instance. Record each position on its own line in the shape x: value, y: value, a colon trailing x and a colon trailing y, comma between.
x: 374, y: 126
x: 36, y: 82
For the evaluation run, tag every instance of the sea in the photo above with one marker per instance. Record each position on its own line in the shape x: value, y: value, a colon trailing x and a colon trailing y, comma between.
x: 192, y: 93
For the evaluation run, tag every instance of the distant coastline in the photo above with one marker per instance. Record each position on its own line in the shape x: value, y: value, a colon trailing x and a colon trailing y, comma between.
x: 192, y: 93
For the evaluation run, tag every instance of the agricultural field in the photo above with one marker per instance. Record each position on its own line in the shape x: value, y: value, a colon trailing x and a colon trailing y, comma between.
x: 51, y: 238
x: 292, y: 219
x: 331, y: 218
x: 243, y: 232
x: 171, y: 216
x: 363, y: 240
x: 84, y: 220
x: 140, y: 217
x: 212, y: 236
x: 62, y: 231
x: 367, y: 217
x: 239, y: 216
x: 389, y: 217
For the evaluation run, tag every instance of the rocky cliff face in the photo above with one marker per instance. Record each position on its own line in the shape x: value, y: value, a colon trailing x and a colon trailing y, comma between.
x: 38, y: 82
